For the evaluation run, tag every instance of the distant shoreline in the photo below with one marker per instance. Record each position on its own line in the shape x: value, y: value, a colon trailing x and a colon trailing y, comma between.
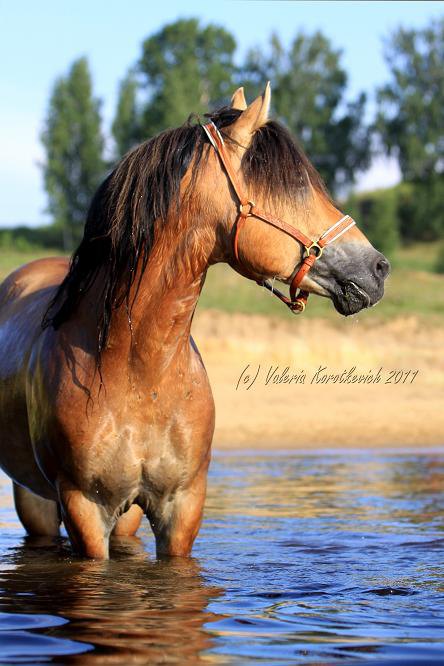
x: 271, y: 450
x: 280, y: 448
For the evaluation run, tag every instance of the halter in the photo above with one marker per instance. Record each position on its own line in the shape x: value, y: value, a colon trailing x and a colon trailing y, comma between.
x: 312, y: 249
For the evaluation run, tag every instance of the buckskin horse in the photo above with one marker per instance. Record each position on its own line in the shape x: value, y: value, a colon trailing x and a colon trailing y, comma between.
x: 106, y: 411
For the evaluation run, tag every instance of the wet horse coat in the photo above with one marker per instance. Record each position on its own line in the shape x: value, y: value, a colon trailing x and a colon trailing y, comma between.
x: 106, y: 411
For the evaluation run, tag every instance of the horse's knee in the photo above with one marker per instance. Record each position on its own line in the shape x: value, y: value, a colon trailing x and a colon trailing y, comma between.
x: 129, y: 522
x: 39, y: 516
x: 176, y: 528
x: 87, y: 523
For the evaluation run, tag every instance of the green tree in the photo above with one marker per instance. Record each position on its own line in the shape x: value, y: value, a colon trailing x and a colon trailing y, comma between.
x: 74, y: 145
x: 410, y: 124
x: 411, y: 105
x: 185, y: 68
x: 309, y: 87
x: 377, y: 215
x: 126, y: 128
x: 420, y: 209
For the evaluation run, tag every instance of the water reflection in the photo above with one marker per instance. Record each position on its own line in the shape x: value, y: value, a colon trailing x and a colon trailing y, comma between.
x: 302, y: 559
x: 129, y: 609
x: 340, y: 555
x: 362, y: 487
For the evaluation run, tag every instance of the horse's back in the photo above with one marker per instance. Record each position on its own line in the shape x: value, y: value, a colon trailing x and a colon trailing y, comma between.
x: 31, y: 279
x: 24, y: 297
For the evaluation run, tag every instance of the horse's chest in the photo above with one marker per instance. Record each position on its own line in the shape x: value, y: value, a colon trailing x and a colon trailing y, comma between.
x: 136, y: 449
x: 147, y: 458
x: 164, y: 474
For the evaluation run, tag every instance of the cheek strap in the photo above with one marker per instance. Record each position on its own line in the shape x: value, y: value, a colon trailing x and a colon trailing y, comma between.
x: 312, y: 250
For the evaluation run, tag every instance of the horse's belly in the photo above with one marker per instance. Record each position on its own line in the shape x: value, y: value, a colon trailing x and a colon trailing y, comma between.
x: 16, y: 452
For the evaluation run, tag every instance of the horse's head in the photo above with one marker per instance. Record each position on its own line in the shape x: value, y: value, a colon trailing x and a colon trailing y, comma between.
x: 270, y: 170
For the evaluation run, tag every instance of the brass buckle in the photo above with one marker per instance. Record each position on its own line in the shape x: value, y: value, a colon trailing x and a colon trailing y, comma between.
x: 249, y: 203
x: 314, y: 246
x: 297, y: 306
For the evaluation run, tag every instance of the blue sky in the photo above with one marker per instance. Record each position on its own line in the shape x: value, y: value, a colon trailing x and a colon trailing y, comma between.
x: 39, y: 40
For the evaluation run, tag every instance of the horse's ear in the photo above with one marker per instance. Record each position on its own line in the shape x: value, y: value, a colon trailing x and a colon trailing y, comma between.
x: 252, y: 118
x: 238, y: 100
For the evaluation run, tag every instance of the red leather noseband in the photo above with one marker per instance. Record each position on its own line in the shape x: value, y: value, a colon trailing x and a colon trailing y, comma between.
x: 312, y: 249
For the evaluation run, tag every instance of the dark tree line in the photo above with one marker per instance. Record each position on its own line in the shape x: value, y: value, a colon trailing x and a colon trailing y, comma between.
x: 189, y: 68
x: 73, y: 143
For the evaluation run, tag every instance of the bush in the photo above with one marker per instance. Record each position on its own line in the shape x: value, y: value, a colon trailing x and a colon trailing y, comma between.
x: 26, y: 239
x: 439, y: 266
x: 376, y: 215
x: 6, y: 240
x: 421, y: 210
x: 411, y: 212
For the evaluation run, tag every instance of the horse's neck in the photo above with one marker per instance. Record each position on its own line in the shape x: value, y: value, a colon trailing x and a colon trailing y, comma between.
x: 158, y: 327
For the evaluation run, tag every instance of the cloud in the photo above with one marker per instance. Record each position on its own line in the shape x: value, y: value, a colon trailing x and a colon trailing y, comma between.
x: 383, y: 172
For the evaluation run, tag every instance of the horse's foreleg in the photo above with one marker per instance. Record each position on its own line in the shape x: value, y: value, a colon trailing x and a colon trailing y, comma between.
x: 88, y: 524
x: 176, y: 522
x: 39, y: 516
x: 129, y: 522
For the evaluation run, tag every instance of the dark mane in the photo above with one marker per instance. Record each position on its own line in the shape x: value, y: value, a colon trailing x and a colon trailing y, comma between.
x: 133, y: 202
x: 276, y: 166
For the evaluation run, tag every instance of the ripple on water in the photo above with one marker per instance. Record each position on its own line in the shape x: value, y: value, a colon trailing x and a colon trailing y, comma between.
x: 16, y: 643
x: 301, y: 559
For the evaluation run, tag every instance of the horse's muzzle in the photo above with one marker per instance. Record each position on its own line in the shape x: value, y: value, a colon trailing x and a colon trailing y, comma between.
x: 353, y: 275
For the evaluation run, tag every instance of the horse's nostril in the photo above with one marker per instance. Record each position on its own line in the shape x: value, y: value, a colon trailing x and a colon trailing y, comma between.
x: 382, y: 267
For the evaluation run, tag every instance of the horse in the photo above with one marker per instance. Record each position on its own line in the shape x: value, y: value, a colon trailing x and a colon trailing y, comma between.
x: 106, y: 410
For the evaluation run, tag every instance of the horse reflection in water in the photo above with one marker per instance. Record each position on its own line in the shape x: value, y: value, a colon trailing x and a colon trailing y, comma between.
x: 137, y: 612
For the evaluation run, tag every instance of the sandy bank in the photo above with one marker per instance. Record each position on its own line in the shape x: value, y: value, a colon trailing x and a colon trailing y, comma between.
x: 309, y: 384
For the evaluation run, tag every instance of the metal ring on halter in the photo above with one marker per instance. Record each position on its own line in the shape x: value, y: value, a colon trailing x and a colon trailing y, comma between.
x: 297, y: 306
x: 312, y: 250
x: 314, y: 246
x: 242, y: 205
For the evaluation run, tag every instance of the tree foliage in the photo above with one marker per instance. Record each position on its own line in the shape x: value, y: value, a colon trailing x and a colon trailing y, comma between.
x: 126, y: 127
x: 411, y: 105
x: 420, y: 209
x: 309, y: 86
x: 410, y: 124
x: 73, y: 145
x: 377, y: 213
x: 185, y: 68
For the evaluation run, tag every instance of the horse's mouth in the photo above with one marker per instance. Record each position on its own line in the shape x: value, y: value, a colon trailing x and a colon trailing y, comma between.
x: 349, y: 298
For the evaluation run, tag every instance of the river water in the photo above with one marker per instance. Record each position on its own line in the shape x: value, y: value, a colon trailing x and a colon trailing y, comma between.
x: 302, y: 559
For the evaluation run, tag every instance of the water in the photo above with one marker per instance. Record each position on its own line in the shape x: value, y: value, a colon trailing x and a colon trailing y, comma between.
x: 302, y: 559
